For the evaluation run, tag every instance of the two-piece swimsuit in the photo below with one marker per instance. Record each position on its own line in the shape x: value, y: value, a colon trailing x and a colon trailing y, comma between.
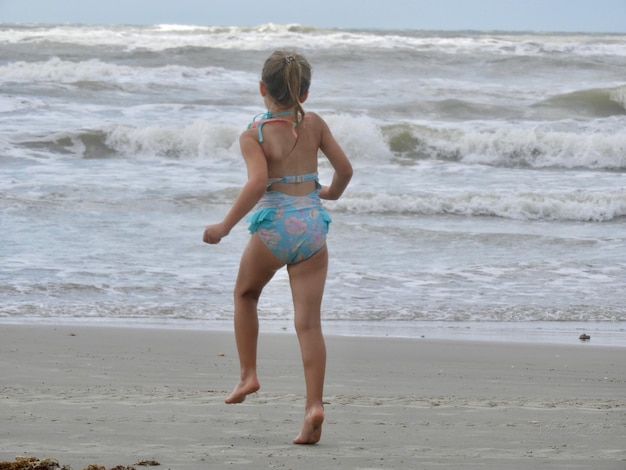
x: 294, y: 228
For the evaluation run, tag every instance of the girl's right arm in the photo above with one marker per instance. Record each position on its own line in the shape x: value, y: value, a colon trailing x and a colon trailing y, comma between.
x: 250, y: 193
x: 340, y: 163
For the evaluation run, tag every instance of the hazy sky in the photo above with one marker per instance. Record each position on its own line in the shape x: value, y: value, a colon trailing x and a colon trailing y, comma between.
x: 530, y: 15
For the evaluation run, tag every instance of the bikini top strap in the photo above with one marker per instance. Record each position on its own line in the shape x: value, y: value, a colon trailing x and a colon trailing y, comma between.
x: 270, y: 117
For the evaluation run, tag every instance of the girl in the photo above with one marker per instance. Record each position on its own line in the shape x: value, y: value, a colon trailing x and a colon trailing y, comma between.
x: 288, y: 225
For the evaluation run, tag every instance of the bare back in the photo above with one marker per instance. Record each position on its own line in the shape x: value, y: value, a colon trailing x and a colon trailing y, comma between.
x: 288, y: 155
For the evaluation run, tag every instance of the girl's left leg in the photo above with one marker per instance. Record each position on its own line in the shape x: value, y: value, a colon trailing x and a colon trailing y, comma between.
x: 307, y: 280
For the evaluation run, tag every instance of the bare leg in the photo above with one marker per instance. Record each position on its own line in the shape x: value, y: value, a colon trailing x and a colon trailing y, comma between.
x: 307, y: 286
x: 258, y: 265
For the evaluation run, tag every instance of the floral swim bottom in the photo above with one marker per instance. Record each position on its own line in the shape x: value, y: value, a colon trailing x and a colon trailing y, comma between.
x: 294, y: 228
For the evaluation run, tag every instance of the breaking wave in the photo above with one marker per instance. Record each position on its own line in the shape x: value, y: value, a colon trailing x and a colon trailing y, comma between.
x: 596, y: 206
x: 362, y: 138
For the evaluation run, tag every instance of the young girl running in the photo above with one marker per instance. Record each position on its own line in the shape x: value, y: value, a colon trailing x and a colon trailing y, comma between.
x: 288, y: 225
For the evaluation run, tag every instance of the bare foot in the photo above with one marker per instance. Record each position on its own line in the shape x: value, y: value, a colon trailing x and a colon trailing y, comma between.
x: 311, y: 427
x: 243, y: 389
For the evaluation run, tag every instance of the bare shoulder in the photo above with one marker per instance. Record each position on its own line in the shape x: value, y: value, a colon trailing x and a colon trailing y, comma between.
x: 315, y: 121
x: 313, y: 117
x: 249, y: 134
x: 250, y: 145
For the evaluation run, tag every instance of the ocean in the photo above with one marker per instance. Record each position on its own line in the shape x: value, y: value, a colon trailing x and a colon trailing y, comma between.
x: 488, y: 201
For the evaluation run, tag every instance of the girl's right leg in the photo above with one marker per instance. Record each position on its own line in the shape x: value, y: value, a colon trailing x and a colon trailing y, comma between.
x: 257, y: 267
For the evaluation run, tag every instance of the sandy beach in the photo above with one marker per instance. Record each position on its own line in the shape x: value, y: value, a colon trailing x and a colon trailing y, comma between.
x: 116, y: 396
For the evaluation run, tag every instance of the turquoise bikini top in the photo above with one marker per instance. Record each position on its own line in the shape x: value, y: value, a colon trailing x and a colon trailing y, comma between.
x: 263, y: 118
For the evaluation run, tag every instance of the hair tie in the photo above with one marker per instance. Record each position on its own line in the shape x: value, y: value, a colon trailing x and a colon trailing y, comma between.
x: 289, y: 59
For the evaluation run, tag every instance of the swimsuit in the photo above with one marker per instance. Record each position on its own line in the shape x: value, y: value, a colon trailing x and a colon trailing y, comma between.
x: 294, y: 228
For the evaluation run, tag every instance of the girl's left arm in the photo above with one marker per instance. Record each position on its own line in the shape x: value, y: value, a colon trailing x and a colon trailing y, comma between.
x: 340, y: 163
x: 250, y: 193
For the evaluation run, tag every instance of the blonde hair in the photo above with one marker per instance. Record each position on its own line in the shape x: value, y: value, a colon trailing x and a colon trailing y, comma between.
x: 287, y: 76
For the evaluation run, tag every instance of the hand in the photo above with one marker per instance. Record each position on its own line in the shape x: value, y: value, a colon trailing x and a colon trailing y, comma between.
x: 214, y: 233
x: 324, y: 192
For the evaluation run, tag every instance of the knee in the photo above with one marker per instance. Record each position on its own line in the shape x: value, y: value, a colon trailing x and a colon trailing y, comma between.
x: 307, y: 326
x: 246, y: 294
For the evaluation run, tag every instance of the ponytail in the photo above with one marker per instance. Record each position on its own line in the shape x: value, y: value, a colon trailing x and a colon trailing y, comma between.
x: 293, y: 74
x: 287, y: 77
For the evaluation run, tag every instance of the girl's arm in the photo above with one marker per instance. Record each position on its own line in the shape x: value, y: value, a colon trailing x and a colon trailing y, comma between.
x: 250, y: 193
x: 339, y: 162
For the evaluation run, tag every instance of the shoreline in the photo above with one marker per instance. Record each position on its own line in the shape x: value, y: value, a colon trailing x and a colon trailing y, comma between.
x: 611, y: 334
x: 118, y: 395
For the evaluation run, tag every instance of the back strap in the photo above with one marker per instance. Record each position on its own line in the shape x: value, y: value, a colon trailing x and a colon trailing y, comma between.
x: 293, y: 179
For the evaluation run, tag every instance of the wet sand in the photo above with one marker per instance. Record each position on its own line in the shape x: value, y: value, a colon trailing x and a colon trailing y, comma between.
x: 116, y: 396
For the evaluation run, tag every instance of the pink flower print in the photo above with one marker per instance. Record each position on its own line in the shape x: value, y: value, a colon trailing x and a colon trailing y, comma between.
x: 270, y: 237
x: 295, y: 226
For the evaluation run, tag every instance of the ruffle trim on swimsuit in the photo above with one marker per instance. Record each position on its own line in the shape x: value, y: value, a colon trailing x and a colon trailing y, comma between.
x: 325, y: 215
x: 260, y: 215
